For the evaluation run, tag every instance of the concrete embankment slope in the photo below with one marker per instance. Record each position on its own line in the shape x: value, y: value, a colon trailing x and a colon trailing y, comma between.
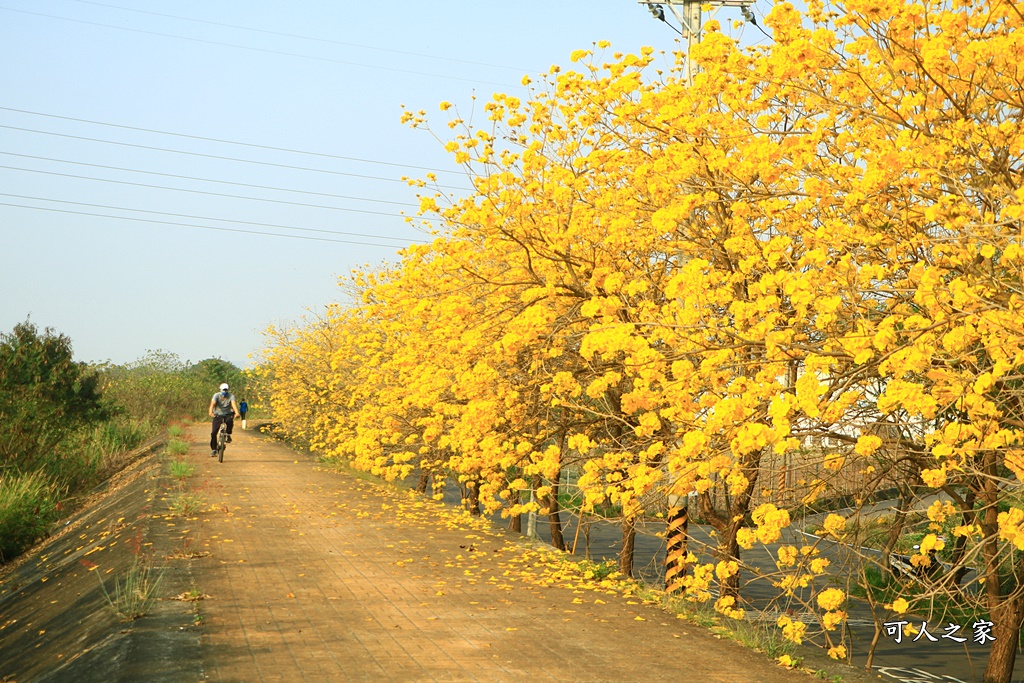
x: 57, y: 623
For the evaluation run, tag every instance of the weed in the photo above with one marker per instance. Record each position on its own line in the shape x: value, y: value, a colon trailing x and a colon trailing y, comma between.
x: 181, y: 469
x: 189, y: 549
x: 193, y: 595
x: 763, y: 637
x: 134, y: 595
x: 175, y: 432
x: 697, y: 613
x: 177, y: 447
x: 186, y: 504
x: 598, y: 571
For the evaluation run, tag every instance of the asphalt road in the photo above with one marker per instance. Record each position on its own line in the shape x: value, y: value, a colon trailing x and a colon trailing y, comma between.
x: 923, y: 661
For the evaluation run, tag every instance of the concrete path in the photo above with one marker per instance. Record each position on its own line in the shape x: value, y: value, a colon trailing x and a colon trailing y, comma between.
x: 315, y: 575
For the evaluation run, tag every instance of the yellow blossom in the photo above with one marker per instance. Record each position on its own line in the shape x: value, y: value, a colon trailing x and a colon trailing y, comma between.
x: 831, y: 598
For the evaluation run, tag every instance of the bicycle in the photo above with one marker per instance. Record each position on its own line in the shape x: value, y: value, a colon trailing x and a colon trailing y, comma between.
x: 222, y: 441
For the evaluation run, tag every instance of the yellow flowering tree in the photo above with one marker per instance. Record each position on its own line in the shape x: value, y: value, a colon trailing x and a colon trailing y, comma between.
x: 666, y: 285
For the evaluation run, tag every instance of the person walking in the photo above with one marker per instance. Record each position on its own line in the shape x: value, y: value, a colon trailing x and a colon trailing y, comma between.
x: 243, y: 408
x: 223, y: 409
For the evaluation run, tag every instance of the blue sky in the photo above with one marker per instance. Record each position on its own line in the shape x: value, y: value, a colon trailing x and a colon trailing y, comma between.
x: 321, y: 77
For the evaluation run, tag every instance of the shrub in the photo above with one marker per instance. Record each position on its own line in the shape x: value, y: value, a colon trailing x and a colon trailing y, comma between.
x: 28, y: 505
x: 44, y: 396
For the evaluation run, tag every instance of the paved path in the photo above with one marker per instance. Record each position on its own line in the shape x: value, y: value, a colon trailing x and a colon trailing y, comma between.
x: 320, y: 576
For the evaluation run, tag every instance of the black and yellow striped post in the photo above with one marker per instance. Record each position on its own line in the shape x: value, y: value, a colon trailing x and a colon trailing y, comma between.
x: 676, y: 544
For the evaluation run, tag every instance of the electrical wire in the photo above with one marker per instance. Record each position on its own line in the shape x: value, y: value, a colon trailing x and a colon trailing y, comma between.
x: 217, y: 156
x: 295, y: 35
x: 231, y: 142
x: 200, y: 227
x: 204, y: 192
x: 208, y: 180
x: 264, y: 50
x: 209, y: 218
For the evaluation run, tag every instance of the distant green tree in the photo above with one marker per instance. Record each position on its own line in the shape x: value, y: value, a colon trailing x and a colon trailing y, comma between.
x: 213, y: 371
x: 158, y: 387
x: 45, y: 396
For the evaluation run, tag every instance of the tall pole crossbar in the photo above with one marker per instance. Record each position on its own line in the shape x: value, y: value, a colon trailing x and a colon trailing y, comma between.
x: 688, y: 14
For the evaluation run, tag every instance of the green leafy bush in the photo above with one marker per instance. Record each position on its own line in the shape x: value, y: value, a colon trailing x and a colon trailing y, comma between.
x: 161, y: 387
x: 44, y: 396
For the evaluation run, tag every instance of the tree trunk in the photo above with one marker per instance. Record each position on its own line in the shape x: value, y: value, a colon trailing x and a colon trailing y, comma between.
x: 1006, y: 613
x: 729, y: 550
x: 728, y: 524
x: 531, y: 517
x: 960, y: 542
x: 424, y: 481
x: 989, y: 523
x: 676, y: 548
x: 1006, y: 619
x: 473, y: 498
x: 628, y: 542
x: 515, y: 522
x: 894, y: 533
x: 554, y: 518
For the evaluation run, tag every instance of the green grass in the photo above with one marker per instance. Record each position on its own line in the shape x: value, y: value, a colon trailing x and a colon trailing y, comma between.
x: 181, y: 469
x: 28, y: 505
x: 175, y: 432
x: 177, y: 447
x: 123, y: 434
x: 186, y: 504
x: 31, y: 502
x: 760, y: 636
x: 766, y: 638
x: 135, y: 594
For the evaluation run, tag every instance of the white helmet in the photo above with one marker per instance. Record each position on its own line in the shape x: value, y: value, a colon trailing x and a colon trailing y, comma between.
x: 224, y: 387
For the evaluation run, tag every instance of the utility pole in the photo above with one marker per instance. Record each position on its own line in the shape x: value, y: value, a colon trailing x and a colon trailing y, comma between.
x: 688, y: 14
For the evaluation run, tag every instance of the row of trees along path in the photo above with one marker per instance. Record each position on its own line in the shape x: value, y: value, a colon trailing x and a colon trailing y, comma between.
x: 801, y: 267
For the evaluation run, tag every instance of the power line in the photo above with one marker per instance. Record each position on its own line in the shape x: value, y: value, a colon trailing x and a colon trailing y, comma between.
x: 260, y: 49
x: 209, y: 218
x: 216, y: 156
x: 230, y: 142
x: 199, y: 227
x: 208, y: 180
x: 214, y: 194
x: 295, y: 35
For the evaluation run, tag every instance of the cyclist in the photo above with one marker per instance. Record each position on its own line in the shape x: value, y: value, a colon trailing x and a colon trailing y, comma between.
x: 223, y: 410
